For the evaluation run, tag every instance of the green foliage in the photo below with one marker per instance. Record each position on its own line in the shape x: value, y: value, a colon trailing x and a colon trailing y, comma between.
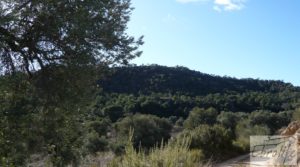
x: 62, y: 135
x: 214, y: 141
x: 114, y: 112
x: 200, y: 116
x: 148, y: 130
x: 81, y: 33
x: 229, y: 119
x: 6, y: 162
x: 171, y: 155
x: 118, y: 147
x: 16, y: 102
x: 32, y: 122
x: 273, y: 121
x: 172, y: 119
x: 96, y: 144
x: 179, y: 122
x: 181, y: 80
x: 244, y: 130
x: 52, y: 114
x: 101, y: 126
x: 150, y: 106
x: 49, y: 72
x: 296, y: 115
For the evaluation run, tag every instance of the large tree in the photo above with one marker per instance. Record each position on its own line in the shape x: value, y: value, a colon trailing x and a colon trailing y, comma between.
x: 60, y: 45
x: 39, y: 33
x: 50, y: 51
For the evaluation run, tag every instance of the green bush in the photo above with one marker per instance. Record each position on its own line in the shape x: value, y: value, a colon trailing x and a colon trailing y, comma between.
x: 273, y: 121
x: 96, y: 144
x: 179, y: 122
x: 101, y: 126
x: 118, y: 147
x: 228, y: 119
x: 148, y: 130
x: 200, y: 116
x: 244, y: 130
x: 296, y: 115
x: 114, y: 112
x: 214, y: 141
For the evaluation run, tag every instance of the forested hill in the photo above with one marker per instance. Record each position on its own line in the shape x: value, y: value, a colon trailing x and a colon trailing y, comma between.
x: 181, y: 80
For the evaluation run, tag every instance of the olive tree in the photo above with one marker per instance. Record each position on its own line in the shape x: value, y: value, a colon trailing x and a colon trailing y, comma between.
x: 39, y: 33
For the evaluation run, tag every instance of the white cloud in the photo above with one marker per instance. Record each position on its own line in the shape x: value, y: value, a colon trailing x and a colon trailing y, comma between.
x: 229, y: 5
x: 221, y: 5
x: 189, y: 1
x: 217, y: 8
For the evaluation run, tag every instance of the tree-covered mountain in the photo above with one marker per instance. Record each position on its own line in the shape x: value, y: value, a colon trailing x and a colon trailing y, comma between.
x: 202, y: 106
x: 181, y: 80
x: 157, y: 102
x: 53, y: 113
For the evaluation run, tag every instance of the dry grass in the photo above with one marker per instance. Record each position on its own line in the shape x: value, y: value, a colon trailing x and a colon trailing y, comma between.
x: 174, y: 154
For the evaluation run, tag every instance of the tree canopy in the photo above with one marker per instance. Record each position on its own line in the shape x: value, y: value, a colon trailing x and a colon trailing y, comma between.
x: 39, y: 33
x: 51, y: 54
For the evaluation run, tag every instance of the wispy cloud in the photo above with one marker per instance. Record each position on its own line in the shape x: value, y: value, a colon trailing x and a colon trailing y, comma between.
x: 229, y: 5
x: 221, y: 5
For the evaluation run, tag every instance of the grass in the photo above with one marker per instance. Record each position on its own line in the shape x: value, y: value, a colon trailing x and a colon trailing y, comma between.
x: 173, y: 154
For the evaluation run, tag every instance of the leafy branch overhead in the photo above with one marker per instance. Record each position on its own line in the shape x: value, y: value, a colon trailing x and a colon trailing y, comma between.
x: 39, y: 33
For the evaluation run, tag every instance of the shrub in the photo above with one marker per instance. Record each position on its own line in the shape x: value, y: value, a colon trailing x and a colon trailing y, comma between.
x: 212, y: 140
x: 171, y: 155
x: 273, y: 121
x: 200, y: 116
x: 148, y: 129
x: 244, y: 130
x: 114, y: 112
x: 179, y: 122
x: 296, y: 115
x: 96, y: 144
x: 228, y: 119
x: 118, y: 148
x: 172, y: 119
x: 101, y: 126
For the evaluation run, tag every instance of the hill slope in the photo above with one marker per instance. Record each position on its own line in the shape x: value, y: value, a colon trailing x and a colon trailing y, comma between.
x: 181, y: 80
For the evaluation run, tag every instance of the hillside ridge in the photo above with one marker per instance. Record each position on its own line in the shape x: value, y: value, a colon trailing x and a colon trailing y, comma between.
x: 181, y: 80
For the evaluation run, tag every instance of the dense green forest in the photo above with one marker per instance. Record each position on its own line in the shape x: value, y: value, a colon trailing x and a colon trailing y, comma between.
x: 157, y: 104
x: 219, y: 112
x: 179, y: 85
x: 181, y: 80
x: 69, y: 96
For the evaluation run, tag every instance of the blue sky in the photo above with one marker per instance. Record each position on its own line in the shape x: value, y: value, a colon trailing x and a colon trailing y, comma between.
x: 238, y: 38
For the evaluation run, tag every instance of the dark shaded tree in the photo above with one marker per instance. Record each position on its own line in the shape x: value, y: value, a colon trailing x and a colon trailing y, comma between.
x: 51, y: 54
x: 38, y: 33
